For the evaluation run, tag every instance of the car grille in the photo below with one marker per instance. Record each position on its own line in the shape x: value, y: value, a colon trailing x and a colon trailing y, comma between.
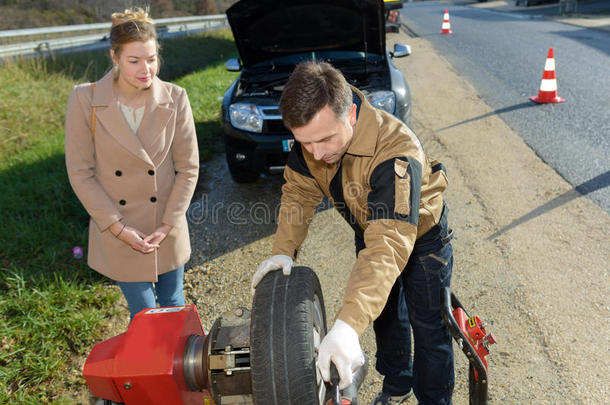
x: 273, y: 121
x: 276, y: 127
x: 270, y: 111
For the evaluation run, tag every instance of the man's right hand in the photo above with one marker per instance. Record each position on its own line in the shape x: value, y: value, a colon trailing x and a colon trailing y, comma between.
x: 273, y: 263
x: 342, y: 347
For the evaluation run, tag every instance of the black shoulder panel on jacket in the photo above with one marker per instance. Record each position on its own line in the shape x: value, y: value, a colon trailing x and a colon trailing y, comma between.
x: 296, y: 161
x: 336, y: 191
x: 439, y: 166
x: 382, y: 198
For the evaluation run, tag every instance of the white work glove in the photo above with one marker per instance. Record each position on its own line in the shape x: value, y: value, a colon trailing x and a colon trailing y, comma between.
x: 273, y: 263
x: 340, y: 346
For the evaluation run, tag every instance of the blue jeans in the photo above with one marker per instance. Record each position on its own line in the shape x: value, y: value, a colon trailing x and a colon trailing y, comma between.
x: 414, y: 303
x: 140, y: 295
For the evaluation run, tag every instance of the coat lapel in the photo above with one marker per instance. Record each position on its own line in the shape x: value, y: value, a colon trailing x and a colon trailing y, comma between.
x: 156, y: 117
x: 110, y: 116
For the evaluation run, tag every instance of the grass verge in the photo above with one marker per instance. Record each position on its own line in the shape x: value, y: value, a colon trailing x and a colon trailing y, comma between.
x: 53, y: 308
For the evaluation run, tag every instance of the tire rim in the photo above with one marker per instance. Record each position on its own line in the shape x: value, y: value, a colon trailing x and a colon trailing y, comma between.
x: 318, y: 335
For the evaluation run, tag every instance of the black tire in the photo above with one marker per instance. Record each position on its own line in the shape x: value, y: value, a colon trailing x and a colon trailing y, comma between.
x: 288, y: 323
x: 240, y: 175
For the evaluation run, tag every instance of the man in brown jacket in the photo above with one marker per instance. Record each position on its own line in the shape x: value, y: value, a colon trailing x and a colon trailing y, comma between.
x: 374, y: 171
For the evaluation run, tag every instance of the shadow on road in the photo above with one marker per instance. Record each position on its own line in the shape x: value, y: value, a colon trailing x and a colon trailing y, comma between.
x: 225, y: 216
x: 596, y: 183
x: 593, y: 38
x: 489, y: 114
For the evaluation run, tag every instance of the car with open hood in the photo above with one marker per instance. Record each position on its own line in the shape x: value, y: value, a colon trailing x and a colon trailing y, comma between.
x: 272, y: 37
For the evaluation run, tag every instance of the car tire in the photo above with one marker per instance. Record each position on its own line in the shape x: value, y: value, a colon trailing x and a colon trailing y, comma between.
x: 240, y: 175
x: 288, y: 323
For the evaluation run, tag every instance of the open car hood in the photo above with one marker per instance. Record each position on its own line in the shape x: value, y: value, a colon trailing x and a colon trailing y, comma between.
x: 266, y: 29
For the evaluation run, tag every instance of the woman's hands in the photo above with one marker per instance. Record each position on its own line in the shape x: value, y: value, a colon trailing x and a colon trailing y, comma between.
x: 158, y: 235
x: 138, y: 240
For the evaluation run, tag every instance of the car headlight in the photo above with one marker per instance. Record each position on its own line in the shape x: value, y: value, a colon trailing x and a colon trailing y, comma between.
x: 246, y: 117
x: 384, y: 100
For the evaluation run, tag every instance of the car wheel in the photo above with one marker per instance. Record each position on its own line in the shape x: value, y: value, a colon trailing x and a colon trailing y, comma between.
x: 288, y: 323
x: 240, y: 175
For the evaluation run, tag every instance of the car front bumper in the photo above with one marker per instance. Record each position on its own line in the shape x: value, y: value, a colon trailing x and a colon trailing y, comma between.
x: 261, y: 153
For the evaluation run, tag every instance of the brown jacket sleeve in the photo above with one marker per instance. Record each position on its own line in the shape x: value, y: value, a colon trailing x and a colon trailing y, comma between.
x: 185, y: 154
x: 80, y: 160
x: 389, y: 237
x: 300, y: 197
x: 389, y: 244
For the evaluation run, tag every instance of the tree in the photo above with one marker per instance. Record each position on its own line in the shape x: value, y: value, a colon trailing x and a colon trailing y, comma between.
x: 204, y: 7
x: 161, y: 7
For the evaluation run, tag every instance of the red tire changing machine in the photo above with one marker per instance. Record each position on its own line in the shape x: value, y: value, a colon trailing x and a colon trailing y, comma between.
x: 165, y: 357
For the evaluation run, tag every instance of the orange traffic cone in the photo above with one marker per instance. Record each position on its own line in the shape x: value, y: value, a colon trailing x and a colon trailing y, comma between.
x: 446, y: 27
x: 548, y: 86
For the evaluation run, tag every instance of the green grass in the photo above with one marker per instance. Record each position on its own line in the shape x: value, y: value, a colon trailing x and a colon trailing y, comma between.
x: 53, y: 308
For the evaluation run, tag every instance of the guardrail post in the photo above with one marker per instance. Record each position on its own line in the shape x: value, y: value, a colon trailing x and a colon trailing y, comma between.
x: 47, y: 45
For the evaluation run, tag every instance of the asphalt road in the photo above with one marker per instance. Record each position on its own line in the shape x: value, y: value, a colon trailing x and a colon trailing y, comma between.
x: 503, y: 55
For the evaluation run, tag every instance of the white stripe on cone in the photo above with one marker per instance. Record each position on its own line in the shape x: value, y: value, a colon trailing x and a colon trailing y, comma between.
x: 549, y: 65
x: 445, y: 26
x: 548, y: 85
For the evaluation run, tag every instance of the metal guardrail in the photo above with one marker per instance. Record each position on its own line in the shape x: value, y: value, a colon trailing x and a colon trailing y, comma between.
x: 46, y: 43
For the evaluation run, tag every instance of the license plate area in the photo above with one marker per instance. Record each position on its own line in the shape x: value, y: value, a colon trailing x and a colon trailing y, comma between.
x: 287, y: 144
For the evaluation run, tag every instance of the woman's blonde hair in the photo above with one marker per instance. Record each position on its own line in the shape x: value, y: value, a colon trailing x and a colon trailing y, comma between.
x: 131, y: 25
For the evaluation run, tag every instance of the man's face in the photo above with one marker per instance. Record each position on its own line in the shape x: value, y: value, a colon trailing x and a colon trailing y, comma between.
x: 327, y: 137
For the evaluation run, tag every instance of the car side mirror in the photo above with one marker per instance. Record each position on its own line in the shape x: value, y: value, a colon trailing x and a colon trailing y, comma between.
x: 401, y: 50
x: 233, y: 65
x: 392, y: 28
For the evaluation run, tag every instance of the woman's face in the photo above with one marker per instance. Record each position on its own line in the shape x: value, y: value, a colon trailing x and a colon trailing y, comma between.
x: 138, y: 63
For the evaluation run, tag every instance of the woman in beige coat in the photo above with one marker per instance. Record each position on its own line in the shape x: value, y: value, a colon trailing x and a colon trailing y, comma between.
x: 133, y: 161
